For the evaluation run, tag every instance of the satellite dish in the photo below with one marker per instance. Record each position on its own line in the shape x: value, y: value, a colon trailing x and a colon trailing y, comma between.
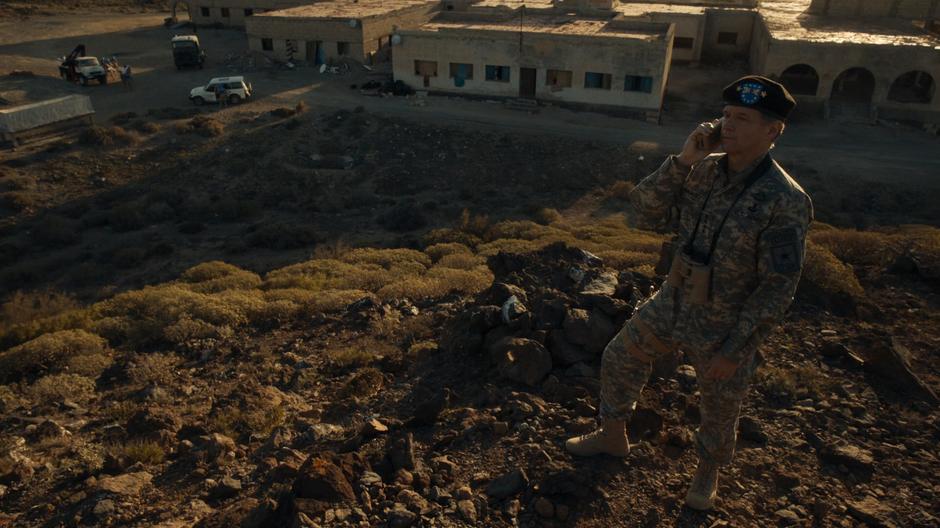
x: 396, y: 39
x: 353, y: 22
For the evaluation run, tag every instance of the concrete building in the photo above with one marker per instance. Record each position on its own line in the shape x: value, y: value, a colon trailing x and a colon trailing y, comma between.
x: 234, y: 12
x: 539, y: 53
x: 335, y: 30
x: 866, y: 64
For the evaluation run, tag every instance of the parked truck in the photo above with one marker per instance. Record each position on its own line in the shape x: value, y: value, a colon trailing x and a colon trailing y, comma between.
x: 187, y: 51
x: 76, y: 67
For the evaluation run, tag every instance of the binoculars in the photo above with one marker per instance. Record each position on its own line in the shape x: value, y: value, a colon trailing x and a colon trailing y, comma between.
x: 686, y: 273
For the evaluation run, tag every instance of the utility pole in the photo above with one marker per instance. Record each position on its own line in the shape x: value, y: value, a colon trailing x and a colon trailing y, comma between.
x: 521, y: 22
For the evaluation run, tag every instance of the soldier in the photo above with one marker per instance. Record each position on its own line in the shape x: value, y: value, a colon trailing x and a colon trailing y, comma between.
x: 740, y: 222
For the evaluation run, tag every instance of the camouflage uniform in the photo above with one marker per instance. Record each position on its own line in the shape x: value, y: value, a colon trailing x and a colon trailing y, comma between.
x: 756, y: 266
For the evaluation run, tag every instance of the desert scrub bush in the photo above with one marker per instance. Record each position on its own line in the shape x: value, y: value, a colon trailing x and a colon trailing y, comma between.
x: 49, y: 353
x: 360, y: 354
x: 201, y: 125
x: 217, y: 276
x: 152, y: 369
x: 508, y: 245
x: 99, y: 136
x: 387, y: 258
x: 859, y: 248
x: 521, y: 229
x: 437, y: 283
x: 473, y: 224
x: 306, y: 303
x: 804, y: 381
x: 824, y: 271
x: 24, y: 331
x: 234, y: 422
x: 620, y: 190
x: 447, y: 235
x: 88, y: 365
x: 145, y: 127
x: 547, y: 215
x: 55, y: 388
x: 363, y: 383
x: 119, y: 411
x: 328, y: 274
x: 146, y: 452
x: 439, y: 251
x: 464, y: 261
x: 23, y: 307
x: 627, y: 259
x: 169, y: 313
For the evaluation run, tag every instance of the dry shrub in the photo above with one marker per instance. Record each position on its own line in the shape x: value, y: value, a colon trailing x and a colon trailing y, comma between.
x: 119, y: 411
x: 620, y: 190
x: 388, y: 258
x: 217, y: 276
x: 508, y: 245
x: 522, y: 230
x: 804, y: 381
x: 283, y: 112
x: 627, y: 259
x: 89, y: 365
x: 827, y: 273
x: 152, y: 369
x: 24, y: 307
x: 58, y: 387
x: 145, y: 127
x: 146, y: 452
x: 334, y: 249
x: 473, y: 224
x: 201, y: 125
x: 437, y: 283
x: 438, y: 251
x: 328, y: 274
x: 451, y: 236
x: 24, y: 331
x: 364, y: 383
x: 859, y: 248
x: 49, y: 353
x: 361, y: 354
x: 312, y: 303
x: 464, y: 261
x: 301, y: 107
x: 256, y: 422
x: 99, y: 136
x: 547, y: 215
x: 172, y: 313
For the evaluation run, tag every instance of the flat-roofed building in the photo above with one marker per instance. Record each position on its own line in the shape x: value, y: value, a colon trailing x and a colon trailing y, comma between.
x: 875, y: 66
x: 335, y: 30
x: 543, y: 54
x: 234, y: 12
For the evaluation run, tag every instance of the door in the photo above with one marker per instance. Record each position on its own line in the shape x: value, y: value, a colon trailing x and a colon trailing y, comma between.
x: 527, y: 83
x: 313, y: 52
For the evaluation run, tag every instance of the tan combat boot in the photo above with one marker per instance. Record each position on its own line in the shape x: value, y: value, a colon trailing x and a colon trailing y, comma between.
x: 609, y: 439
x: 704, y: 489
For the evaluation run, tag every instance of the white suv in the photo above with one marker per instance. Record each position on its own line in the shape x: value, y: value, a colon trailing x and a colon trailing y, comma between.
x: 237, y: 90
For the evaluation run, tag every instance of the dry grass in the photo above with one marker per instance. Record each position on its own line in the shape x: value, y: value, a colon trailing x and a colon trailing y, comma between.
x: 217, y: 276
x: 146, y: 452
x: 859, y: 248
x: 547, y: 215
x: 201, y: 125
x: 439, y: 251
x: 362, y: 384
x: 50, y: 353
x: 233, y: 421
x: 107, y: 136
x: 23, y: 307
x: 152, y: 369
x: 620, y: 190
x: 804, y: 381
x: 119, y: 411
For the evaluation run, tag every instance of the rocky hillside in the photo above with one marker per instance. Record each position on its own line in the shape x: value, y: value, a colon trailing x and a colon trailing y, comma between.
x: 187, y: 338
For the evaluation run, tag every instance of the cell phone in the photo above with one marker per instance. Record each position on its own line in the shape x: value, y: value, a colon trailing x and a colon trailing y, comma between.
x: 711, y: 142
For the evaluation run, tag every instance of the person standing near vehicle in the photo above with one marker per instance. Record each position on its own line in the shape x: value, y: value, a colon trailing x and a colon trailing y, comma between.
x: 220, y: 95
x: 126, y: 78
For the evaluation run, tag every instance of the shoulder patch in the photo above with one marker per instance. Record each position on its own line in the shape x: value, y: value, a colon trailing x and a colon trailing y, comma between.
x: 785, y: 250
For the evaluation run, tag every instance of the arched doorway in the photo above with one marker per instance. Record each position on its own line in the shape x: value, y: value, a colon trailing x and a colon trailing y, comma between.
x: 854, y: 86
x: 800, y: 79
x: 912, y: 87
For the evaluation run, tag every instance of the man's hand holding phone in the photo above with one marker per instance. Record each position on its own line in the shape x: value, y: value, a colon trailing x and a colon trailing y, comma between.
x: 704, y: 140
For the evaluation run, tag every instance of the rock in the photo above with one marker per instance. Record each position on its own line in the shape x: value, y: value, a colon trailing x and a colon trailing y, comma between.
x: 401, y: 518
x: 401, y: 452
x: 551, y: 314
x: 468, y: 511
x: 544, y: 508
x: 602, y: 331
x: 129, y: 484
x: 412, y: 500
x: 404, y: 477
x: 113, y: 434
x: 463, y: 335
x: 500, y: 291
x: 833, y: 349
x: 577, y: 326
x: 463, y: 493
x: 322, y: 480
x: 786, y: 480
x: 645, y: 424
x: 561, y: 511
x: 373, y: 427
x: 149, y: 422
x: 891, y: 362
x: 217, y: 446
x: 854, y: 458
x: 564, y: 352
x: 104, y: 508
x: 605, y: 284
x: 508, y: 484
x: 522, y: 360
x: 51, y: 429
x: 429, y: 409
x: 872, y: 512
x: 686, y: 376
x: 582, y: 370
x: 227, y: 488
x: 751, y: 430
x: 787, y: 517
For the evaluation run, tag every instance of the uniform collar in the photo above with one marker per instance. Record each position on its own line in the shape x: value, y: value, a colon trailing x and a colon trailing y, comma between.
x: 727, y: 177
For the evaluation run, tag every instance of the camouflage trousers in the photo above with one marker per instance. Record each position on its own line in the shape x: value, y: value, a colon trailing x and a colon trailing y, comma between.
x: 623, y: 376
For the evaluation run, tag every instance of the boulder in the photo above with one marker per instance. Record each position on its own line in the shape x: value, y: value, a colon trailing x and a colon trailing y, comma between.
x: 522, y: 360
x: 872, y: 512
x: 128, y: 484
x: 508, y: 484
x: 857, y: 460
x: 151, y: 421
x: 322, y: 480
x: 578, y: 327
x: 891, y: 361
x: 565, y: 353
x: 602, y: 330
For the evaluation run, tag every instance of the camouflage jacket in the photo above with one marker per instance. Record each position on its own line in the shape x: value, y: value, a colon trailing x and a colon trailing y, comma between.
x: 757, y: 260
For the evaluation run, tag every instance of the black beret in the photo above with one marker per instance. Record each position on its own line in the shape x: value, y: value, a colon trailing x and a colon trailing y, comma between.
x: 762, y: 94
